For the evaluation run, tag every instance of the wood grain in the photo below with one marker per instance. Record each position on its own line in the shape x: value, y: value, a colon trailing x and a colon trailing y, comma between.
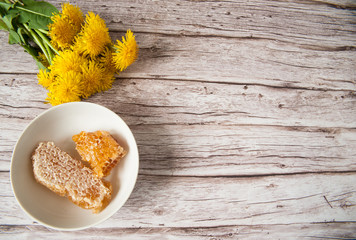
x: 224, y: 130
x: 322, y: 23
x: 248, y: 62
x: 145, y: 101
x: 223, y: 201
x: 333, y: 230
x: 211, y: 202
x: 243, y: 150
x: 244, y: 113
x: 204, y: 150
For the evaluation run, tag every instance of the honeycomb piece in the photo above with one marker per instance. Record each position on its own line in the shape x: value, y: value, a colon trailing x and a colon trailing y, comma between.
x: 68, y: 177
x: 100, y: 150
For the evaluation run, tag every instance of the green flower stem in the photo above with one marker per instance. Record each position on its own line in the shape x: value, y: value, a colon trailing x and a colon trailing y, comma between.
x: 45, y: 39
x: 14, y: 1
x: 43, y: 31
x: 50, y: 53
x: 45, y: 43
x: 38, y: 42
x: 19, y: 31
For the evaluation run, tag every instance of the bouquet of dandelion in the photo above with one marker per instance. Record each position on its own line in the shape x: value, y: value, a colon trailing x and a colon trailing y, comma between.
x: 74, y: 53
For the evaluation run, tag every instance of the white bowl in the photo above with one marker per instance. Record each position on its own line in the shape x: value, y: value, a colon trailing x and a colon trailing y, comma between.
x: 59, y: 124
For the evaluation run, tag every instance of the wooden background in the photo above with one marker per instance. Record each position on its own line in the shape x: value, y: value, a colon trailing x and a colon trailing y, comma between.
x: 244, y: 113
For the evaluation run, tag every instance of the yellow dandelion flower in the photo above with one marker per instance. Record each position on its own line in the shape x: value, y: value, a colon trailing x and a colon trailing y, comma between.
x: 109, y: 69
x: 62, y: 31
x: 52, y: 99
x: 106, y: 81
x: 67, y: 60
x: 67, y: 88
x: 92, y: 74
x: 45, y: 78
x: 74, y: 14
x: 126, y: 51
x: 94, y: 36
x: 106, y: 60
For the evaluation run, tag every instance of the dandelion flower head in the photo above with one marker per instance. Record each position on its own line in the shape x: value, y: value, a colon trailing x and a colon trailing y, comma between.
x: 61, y: 31
x: 67, y: 88
x: 126, y: 51
x: 45, y: 78
x: 74, y: 14
x: 65, y: 26
x: 92, y: 74
x: 94, y: 36
x: 67, y: 60
x: 106, y: 81
x: 106, y: 60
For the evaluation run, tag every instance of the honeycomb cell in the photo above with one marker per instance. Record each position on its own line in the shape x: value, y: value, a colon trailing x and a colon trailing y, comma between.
x: 100, y: 150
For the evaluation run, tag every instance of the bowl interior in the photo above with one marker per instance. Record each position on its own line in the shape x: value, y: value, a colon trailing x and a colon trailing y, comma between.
x: 59, y: 124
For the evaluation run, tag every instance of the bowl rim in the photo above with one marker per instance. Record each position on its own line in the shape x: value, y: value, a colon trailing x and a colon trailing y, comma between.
x: 47, y: 111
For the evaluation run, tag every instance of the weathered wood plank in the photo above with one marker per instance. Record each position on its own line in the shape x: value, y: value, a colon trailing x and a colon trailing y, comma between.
x: 321, y: 23
x: 145, y: 101
x: 243, y: 150
x: 333, y: 230
x: 251, y: 61
x: 208, y: 202
x: 208, y: 150
x: 228, y: 150
x: 231, y: 201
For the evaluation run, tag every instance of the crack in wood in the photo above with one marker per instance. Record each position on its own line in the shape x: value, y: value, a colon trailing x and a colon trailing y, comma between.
x: 254, y: 175
x: 327, y: 201
x: 285, y: 199
x: 164, y: 78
